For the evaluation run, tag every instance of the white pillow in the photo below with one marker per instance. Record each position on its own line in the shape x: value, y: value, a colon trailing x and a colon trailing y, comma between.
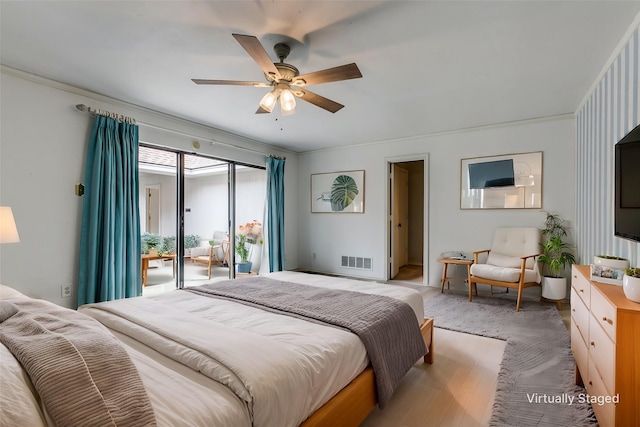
x: 7, y: 292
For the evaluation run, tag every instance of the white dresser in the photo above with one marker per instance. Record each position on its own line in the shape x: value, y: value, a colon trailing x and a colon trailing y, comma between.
x: 605, y: 340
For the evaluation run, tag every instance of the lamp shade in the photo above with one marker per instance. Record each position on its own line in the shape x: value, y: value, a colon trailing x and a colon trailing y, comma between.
x: 8, y: 230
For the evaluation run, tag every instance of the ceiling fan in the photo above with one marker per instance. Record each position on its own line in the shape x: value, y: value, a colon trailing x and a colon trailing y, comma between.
x: 285, y: 79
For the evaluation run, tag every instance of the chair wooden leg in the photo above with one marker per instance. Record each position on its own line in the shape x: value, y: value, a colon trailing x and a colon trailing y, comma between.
x: 519, y: 296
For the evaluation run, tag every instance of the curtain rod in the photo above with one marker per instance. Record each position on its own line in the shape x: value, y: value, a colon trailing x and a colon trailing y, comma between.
x: 83, y: 107
x: 105, y: 113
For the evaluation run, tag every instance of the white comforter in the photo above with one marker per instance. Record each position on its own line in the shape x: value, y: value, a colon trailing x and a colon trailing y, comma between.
x: 209, y: 362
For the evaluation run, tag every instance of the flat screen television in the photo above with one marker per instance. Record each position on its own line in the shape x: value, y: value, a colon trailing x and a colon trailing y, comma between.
x: 498, y: 173
x: 627, y: 176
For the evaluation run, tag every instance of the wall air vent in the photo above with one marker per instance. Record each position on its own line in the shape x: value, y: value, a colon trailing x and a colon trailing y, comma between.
x: 357, y: 262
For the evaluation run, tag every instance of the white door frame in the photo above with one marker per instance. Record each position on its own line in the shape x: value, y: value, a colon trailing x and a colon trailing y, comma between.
x: 387, y: 218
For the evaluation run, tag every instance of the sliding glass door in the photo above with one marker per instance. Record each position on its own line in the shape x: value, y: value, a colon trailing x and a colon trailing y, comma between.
x: 251, y: 187
x: 187, y: 206
x: 206, y: 219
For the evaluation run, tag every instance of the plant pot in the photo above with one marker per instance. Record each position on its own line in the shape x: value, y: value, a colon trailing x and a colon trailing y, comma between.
x: 153, y: 252
x: 617, y: 264
x: 631, y: 287
x: 554, y: 288
x: 244, y: 267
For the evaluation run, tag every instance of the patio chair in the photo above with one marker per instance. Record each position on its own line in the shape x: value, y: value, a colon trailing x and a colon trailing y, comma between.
x: 215, y: 255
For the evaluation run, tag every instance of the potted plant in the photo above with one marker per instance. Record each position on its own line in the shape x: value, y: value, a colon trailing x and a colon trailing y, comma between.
x: 631, y: 284
x: 190, y: 241
x: 249, y: 235
x: 610, y: 261
x: 168, y: 245
x: 150, y: 243
x: 244, y: 266
x: 556, y: 255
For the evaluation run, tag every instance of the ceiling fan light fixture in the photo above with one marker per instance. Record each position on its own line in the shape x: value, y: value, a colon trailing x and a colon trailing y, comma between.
x: 287, y: 102
x: 269, y: 100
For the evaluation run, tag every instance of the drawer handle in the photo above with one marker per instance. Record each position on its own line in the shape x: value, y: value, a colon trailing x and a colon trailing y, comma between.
x: 609, y: 321
x: 582, y: 290
x: 590, y: 383
x: 593, y: 344
x: 573, y: 309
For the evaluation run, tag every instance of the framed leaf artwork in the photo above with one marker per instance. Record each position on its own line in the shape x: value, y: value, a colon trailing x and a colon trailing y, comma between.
x: 337, y: 192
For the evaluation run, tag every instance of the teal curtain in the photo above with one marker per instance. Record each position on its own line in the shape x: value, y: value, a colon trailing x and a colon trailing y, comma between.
x: 275, y: 213
x: 110, y: 236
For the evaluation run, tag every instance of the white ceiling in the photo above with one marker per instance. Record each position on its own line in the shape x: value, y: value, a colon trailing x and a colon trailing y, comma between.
x: 427, y: 66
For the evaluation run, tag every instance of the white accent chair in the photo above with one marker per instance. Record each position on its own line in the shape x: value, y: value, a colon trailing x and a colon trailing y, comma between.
x: 212, y: 252
x: 511, y: 261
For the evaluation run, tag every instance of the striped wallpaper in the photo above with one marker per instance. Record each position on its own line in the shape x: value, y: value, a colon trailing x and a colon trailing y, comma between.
x: 608, y: 113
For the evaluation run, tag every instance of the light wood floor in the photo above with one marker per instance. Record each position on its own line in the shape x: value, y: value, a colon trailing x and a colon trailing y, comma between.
x: 457, y: 390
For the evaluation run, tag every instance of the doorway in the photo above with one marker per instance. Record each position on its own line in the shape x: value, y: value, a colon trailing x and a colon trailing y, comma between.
x: 153, y: 211
x: 192, y: 207
x: 407, y: 225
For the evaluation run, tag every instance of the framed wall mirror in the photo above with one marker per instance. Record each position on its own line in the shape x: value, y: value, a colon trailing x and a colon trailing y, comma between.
x: 509, y: 181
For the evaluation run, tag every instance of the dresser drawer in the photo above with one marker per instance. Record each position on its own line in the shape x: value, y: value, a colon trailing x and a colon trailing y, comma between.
x: 602, y: 352
x: 581, y: 285
x: 604, y: 312
x: 580, y: 351
x: 594, y: 384
x: 580, y: 314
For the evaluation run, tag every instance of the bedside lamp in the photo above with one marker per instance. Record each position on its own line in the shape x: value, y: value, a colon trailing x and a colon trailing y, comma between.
x: 8, y: 230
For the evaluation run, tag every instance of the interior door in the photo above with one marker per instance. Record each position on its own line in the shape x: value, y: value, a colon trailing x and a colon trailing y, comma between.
x: 399, y: 218
x: 153, y: 210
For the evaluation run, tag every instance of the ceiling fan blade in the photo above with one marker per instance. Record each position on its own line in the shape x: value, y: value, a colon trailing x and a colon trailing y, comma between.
x: 253, y: 47
x: 261, y: 110
x: 229, y: 82
x: 343, y: 72
x: 318, y: 100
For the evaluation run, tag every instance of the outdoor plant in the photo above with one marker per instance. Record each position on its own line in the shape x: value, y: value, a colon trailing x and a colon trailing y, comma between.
x: 150, y: 241
x: 556, y: 253
x: 168, y: 245
x: 241, y: 247
x: 191, y: 241
x: 248, y: 234
x: 633, y: 272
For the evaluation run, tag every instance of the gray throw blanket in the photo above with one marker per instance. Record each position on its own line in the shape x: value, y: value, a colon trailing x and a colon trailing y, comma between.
x: 387, y: 327
x: 79, y: 369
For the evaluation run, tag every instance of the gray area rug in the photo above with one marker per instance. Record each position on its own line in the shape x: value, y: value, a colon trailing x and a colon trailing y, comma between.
x: 537, y: 366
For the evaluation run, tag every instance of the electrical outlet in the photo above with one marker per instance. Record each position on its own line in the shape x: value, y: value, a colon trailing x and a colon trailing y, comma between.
x: 65, y: 291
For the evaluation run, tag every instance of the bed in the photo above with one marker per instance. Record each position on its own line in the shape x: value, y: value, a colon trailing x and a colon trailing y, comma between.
x: 197, y: 359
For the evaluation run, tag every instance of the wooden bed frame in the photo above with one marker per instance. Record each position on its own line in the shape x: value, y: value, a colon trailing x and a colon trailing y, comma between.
x: 353, y: 403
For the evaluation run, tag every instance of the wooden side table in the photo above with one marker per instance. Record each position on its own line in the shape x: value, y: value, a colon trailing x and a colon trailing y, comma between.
x: 446, y: 262
x: 145, y: 264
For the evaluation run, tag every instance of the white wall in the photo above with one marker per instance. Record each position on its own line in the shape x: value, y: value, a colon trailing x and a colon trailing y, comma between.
x: 43, y: 147
x: 449, y: 228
